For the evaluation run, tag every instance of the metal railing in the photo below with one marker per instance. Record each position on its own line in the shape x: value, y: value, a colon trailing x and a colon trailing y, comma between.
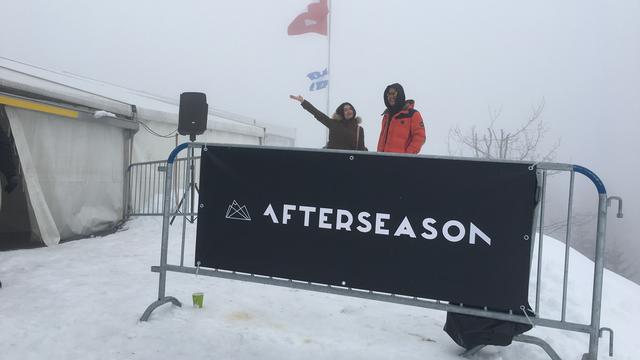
x: 145, y: 186
x: 176, y: 166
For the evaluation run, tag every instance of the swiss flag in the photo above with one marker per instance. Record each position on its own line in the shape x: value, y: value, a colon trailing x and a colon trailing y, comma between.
x: 314, y: 20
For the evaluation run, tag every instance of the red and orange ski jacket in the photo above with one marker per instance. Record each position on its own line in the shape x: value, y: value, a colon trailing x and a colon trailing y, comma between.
x: 402, y: 133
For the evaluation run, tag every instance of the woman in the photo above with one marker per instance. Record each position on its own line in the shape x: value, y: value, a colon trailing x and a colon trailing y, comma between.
x: 344, y: 131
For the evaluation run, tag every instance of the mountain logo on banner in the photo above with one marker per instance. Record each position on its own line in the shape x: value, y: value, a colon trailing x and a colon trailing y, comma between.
x: 319, y: 80
x: 237, y: 212
x: 312, y: 20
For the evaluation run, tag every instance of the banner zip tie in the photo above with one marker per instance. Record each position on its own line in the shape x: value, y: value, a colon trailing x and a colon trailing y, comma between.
x: 526, y: 315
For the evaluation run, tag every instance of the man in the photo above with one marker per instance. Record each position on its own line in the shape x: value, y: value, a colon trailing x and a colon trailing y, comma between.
x: 7, y: 165
x: 402, y: 126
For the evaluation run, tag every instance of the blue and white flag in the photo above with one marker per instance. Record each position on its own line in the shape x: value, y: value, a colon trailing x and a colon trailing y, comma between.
x: 319, y: 80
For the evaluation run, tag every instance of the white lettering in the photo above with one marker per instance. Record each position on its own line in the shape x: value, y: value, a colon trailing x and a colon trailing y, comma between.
x: 307, y: 210
x: 475, y: 231
x: 380, y: 223
x: 448, y: 236
x: 432, y: 232
x: 366, y: 224
x: 322, y: 220
x: 452, y: 230
x: 285, y: 213
x: 342, y: 225
x: 270, y: 212
x: 405, y: 229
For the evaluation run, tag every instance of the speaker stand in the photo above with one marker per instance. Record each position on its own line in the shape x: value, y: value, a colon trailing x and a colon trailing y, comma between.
x: 191, y: 190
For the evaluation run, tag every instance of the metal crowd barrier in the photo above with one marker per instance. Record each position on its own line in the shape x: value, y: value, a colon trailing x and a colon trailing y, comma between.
x: 145, y: 185
x: 178, y: 167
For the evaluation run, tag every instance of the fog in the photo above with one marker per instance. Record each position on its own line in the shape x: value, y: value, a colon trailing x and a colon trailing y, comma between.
x: 457, y: 59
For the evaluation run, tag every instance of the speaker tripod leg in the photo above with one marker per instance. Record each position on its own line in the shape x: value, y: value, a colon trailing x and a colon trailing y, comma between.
x: 192, y: 182
x: 193, y: 187
x: 177, y: 210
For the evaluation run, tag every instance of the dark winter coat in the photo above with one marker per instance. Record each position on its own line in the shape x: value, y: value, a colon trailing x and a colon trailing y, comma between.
x: 7, y: 164
x: 343, y: 134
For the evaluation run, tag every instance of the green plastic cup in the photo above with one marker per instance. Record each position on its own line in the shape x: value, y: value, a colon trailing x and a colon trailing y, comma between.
x: 198, y: 299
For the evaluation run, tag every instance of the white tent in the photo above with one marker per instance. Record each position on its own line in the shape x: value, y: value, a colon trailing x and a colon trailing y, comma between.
x: 74, y: 138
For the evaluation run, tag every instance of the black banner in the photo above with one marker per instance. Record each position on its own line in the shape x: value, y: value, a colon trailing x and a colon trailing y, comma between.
x: 453, y: 230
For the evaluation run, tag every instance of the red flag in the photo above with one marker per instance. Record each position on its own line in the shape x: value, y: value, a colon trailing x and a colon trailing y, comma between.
x: 314, y: 20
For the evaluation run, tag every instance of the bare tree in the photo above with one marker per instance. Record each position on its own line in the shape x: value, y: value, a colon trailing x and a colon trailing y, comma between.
x: 578, y: 219
x: 523, y: 143
x: 493, y: 143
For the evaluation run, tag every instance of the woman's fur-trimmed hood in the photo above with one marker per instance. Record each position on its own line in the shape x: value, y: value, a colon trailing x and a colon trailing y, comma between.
x: 337, y: 117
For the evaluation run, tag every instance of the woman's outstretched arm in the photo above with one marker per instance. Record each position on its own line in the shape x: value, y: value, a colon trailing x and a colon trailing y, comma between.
x: 319, y: 115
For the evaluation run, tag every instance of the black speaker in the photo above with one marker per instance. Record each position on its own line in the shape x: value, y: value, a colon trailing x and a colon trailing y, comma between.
x: 192, y: 118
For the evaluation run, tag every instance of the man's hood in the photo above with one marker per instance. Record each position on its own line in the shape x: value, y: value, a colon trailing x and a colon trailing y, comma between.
x: 400, y: 99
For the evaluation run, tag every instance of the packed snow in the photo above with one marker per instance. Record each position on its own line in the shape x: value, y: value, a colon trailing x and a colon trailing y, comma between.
x: 83, y: 300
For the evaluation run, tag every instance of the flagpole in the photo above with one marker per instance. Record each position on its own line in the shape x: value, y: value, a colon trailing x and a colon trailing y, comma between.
x: 328, y: 65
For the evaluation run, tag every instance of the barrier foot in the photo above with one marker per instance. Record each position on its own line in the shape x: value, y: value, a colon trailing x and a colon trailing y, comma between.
x: 157, y: 304
x: 537, y: 341
x: 474, y: 350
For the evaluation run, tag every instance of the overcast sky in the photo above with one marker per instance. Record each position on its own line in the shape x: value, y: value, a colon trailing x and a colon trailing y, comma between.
x: 457, y: 59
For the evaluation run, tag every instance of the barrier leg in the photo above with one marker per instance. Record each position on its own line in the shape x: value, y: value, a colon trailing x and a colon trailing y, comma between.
x: 162, y: 298
x: 537, y: 341
x: 520, y: 338
x: 157, y: 304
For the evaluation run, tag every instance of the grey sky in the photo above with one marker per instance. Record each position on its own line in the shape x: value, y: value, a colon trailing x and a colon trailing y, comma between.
x: 455, y: 58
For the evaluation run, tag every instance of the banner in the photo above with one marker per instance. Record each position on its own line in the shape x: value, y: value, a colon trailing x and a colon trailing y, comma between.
x: 313, y: 20
x: 319, y: 79
x: 454, y: 230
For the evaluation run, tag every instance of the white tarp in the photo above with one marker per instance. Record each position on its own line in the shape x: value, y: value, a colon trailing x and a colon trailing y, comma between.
x: 76, y: 166
x: 41, y: 220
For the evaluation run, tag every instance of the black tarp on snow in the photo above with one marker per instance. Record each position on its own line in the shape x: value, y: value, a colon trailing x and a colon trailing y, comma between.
x: 470, y: 331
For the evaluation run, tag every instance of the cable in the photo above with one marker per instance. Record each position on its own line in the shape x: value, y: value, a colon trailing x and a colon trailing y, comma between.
x: 146, y: 127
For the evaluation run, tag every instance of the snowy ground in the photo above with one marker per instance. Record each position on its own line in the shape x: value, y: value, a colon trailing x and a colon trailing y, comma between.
x: 83, y: 299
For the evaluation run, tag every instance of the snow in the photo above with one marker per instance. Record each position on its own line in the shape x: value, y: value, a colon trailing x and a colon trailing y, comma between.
x: 102, y: 113
x: 83, y: 299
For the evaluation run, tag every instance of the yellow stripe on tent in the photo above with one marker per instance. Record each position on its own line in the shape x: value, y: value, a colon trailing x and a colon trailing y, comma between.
x: 30, y: 105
